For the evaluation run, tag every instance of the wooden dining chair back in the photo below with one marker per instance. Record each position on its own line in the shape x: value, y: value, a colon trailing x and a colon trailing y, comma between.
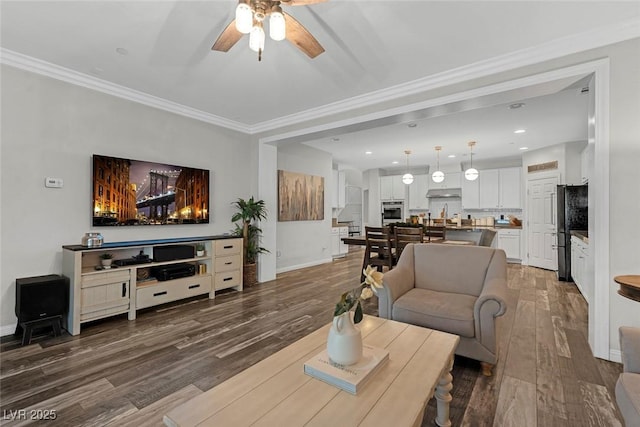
x: 435, y: 232
x: 405, y: 235
x: 378, y: 250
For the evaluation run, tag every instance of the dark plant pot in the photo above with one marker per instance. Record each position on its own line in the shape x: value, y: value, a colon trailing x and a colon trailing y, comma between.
x: 250, y: 274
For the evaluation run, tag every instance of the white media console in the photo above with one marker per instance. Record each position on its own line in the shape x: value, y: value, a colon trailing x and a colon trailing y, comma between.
x: 96, y: 292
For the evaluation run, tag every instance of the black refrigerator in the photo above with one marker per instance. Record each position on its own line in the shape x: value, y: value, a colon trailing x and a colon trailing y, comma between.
x: 573, y: 211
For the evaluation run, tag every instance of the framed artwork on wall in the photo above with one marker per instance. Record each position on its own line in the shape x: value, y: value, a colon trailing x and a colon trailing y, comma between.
x: 300, y: 197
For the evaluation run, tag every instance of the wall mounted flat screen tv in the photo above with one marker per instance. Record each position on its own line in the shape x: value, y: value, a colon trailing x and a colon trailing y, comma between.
x: 134, y: 192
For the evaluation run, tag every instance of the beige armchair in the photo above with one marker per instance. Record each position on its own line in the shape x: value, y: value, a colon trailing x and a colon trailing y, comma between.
x: 455, y: 289
x: 628, y: 385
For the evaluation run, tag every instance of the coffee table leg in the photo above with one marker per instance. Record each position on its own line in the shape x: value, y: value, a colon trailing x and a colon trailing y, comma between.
x: 443, y: 396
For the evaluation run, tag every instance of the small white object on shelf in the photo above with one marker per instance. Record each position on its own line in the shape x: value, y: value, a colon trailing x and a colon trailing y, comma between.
x: 348, y: 378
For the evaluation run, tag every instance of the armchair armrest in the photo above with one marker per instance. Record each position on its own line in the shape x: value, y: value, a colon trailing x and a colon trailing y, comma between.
x: 630, y: 347
x: 491, y: 302
x: 395, y: 283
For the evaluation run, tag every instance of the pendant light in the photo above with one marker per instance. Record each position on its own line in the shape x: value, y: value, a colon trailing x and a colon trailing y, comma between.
x: 407, y: 178
x: 438, y: 175
x: 471, y: 174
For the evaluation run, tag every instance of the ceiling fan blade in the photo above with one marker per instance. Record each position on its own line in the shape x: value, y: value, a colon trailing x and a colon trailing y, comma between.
x: 227, y: 38
x: 299, y: 36
x: 300, y: 2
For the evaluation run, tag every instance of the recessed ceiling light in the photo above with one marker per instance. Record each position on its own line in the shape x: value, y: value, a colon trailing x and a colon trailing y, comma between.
x: 395, y: 162
x: 368, y: 152
x: 519, y: 131
x: 412, y: 125
x: 335, y: 139
x: 524, y: 148
x: 451, y: 156
x: 122, y: 51
x: 516, y: 105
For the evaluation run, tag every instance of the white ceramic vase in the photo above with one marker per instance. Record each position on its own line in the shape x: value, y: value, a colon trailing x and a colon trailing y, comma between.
x: 344, y: 344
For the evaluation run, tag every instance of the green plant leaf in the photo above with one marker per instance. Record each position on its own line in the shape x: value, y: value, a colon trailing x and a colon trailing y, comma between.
x: 358, y: 315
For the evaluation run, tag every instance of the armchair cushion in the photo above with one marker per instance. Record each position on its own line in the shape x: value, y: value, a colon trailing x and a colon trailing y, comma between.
x: 443, y: 311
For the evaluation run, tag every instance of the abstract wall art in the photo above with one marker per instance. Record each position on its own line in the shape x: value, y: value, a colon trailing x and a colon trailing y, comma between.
x: 300, y: 197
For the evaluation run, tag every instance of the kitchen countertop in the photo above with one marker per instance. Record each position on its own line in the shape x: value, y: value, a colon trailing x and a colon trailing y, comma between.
x: 581, y: 234
x: 484, y: 227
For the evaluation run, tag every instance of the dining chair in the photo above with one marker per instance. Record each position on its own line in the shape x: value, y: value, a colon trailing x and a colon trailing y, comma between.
x: 378, y: 249
x: 436, y: 232
x: 405, y: 235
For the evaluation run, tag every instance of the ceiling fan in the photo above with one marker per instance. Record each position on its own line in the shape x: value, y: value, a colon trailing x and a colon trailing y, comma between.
x: 250, y: 15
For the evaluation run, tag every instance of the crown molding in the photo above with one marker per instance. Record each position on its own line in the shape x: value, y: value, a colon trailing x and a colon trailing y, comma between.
x: 28, y: 63
x: 547, y: 51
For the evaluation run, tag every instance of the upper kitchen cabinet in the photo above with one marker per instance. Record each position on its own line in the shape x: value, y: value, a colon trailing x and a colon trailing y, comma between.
x: 418, y: 192
x: 392, y: 187
x: 510, y: 188
x: 338, y: 186
x: 451, y: 180
x: 470, y: 194
x: 499, y: 189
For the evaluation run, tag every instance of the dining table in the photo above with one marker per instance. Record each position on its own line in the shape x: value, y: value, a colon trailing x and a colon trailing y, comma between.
x: 362, y: 241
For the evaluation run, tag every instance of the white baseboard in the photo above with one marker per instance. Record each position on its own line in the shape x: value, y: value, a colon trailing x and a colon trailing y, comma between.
x: 7, y: 330
x: 615, y: 356
x: 306, y: 264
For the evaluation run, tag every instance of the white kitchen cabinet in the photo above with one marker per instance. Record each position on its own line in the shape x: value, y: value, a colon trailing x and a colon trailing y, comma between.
x: 451, y: 180
x: 338, y: 185
x: 510, y: 188
x: 581, y: 267
x: 470, y: 194
x: 509, y: 241
x: 489, y: 182
x: 418, y: 192
x: 339, y: 248
x: 500, y: 188
x: 392, y: 187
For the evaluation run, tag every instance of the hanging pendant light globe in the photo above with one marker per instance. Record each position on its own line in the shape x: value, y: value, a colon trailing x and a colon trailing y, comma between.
x: 471, y: 174
x: 438, y: 175
x: 407, y: 178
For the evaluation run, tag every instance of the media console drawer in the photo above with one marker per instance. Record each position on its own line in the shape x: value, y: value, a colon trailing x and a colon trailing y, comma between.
x: 227, y: 279
x: 227, y: 263
x: 172, y: 290
x: 228, y: 247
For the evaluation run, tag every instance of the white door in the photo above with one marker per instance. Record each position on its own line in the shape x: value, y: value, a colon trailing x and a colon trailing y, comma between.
x: 542, y: 227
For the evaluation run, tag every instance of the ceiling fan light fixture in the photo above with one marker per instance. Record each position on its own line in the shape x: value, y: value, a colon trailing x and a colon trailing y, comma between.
x: 277, y: 27
x: 471, y: 174
x: 256, y: 38
x: 438, y: 175
x: 244, y: 17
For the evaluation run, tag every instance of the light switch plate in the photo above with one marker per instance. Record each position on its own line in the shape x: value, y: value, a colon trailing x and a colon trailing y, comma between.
x: 53, y: 182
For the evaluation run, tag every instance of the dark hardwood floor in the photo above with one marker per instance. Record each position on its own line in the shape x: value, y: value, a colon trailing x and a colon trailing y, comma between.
x: 129, y: 373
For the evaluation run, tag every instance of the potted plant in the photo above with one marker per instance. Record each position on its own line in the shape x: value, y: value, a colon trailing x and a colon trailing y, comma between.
x: 200, y: 249
x: 106, y: 259
x: 250, y: 211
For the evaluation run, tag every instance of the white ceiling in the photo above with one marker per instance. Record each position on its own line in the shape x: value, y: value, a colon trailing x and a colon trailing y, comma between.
x: 370, y: 46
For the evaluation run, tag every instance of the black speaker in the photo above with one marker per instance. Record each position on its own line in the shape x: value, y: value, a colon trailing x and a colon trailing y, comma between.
x: 173, y: 252
x: 41, y: 296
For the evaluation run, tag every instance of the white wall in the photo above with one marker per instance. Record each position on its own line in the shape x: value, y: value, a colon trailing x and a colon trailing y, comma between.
x: 51, y: 128
x: 305, y: 243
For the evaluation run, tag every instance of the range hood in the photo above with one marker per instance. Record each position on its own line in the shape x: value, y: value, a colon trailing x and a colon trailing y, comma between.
x: 444, y: 193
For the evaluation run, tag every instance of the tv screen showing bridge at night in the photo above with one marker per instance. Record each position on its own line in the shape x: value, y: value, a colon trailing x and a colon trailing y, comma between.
x: 133, y: 192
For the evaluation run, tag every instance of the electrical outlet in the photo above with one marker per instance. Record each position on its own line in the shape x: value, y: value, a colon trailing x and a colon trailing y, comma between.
x: 51, y: 182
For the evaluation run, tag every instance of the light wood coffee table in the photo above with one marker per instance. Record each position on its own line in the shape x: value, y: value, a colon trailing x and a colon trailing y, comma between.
x: 276, y: 391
